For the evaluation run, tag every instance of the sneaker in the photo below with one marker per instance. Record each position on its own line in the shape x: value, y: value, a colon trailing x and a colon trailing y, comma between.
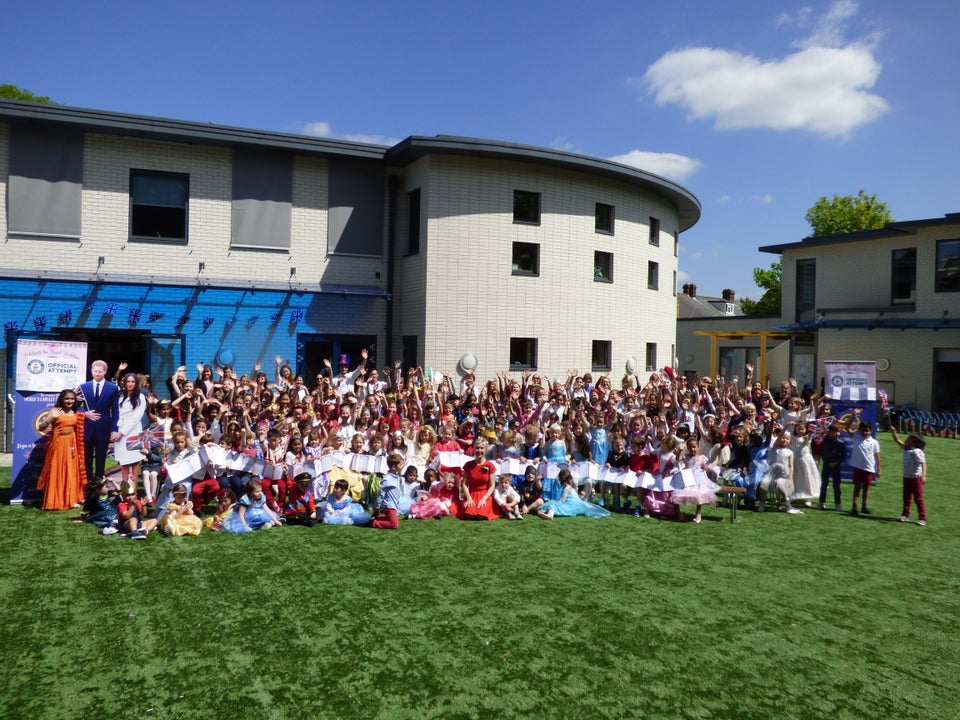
x: 626, y: 506
x: 109, y: 530
x: 794, y: 511
x: 922, y: 523
x: 636, y: 512
x: 904, y: 518
x: 865, y: 510
x: 807, y: 503
x: 266, y: 526
x: 761, y: 506
x: 137, y: 535
x: 838, y: 507
x: 821, y: 506
x: 853, y: 510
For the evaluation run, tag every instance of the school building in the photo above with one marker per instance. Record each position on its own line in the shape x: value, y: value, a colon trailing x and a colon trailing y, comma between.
x: 162, y: 243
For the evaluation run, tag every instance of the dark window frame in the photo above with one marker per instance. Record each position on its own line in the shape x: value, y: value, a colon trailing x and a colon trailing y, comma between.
x: 602, y: 266
x: 143, y: 214
x: 653, y: 275
x: 526, y: 207
x: 523, y: 353
x: 947, y: 274
x: 654, y: 232
x: 518, y: 248
x: 903, y: 276
x: 601, y: 356
x: 604, y: 219
x: 414, y: 199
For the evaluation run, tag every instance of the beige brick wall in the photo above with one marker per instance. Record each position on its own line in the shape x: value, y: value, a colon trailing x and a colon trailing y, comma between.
x: 475, y: 303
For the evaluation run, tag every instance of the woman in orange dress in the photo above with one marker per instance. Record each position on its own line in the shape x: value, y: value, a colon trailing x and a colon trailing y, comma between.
x: 64, y: 477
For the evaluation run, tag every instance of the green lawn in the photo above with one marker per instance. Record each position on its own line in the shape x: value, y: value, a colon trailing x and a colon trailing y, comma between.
x: 820, y: 616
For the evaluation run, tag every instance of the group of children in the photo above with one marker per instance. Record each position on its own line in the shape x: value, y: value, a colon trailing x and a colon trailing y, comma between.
x: 669, y: 443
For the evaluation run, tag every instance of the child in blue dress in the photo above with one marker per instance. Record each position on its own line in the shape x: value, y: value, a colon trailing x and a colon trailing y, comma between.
x: 340, y: 509
x: 569, y: 504
x: 252, y: 512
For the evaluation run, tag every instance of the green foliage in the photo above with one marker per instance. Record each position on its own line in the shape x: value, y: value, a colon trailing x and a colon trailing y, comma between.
x: 770, y: 280
x: 847, y: 214
x: 823, y: 616
x: 12, y: 92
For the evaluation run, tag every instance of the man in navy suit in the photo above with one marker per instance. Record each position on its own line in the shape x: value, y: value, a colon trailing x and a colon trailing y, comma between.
x: 102, y: 400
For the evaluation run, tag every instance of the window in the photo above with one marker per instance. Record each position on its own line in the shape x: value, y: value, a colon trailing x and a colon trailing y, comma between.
x: 948, y: 266
x: 356, y: 214
x: 675, y: 282
x: 601, y: 354
x: 604, y: 219
x: 903, y: 283
x: 526, y: 258
x: 526, y: 207
x: 805, y: 306
x: 651, y: 356
x: 262, y: 200
x: 413, y: 222
x: 158, y: 205
x: 676, y: 243
x: 654, y: 231
x: 602, y: 266
x: 523, y: 353
x: 45, y: 183
x: 653, y: 275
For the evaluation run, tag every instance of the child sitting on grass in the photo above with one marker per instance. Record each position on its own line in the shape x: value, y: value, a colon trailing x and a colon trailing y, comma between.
x: 301, y: 508
x: 507, y: 498
x: 100, y: 507
x: 177, y: 517
x: 252, y: 512
x: 131, y: 517
x: 340, y: 508
x: 569, y: 504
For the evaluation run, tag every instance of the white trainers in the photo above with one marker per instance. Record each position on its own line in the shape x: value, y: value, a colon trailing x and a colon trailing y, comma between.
x: 794, y: 511
x: 922, y: 523
x: 109, y: 530
x: 904, y: 518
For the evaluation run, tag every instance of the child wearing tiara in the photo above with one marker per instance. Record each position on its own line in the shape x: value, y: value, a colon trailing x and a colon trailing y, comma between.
x: 177, y: 518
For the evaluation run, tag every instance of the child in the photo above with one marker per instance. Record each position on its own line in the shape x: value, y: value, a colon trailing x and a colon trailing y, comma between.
x: 439, y: 500
x: 569, y: 503
x: 340, y: 509
x: 531, y: 490
x: 178, y: 452
x: 865, y: 461
x: 252, y: 512
x: 806, y: 480
x: 226, y: 500
x: 177, y: 518
x: 914, y: 474
x: 130, y: 514
x: 301, y: 508
x: 705, y: 491
x: 150, y: 469
x: 205, y: 485
x: 388, y: 498
x: 779, y: 476
x: 507, y: 498
x: 832, y: 454
x: 100, y: 507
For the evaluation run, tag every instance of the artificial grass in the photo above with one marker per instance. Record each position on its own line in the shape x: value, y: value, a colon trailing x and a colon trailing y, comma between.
x: 820, y: 616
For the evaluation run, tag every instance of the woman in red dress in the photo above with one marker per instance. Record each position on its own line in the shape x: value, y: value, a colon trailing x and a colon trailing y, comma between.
x: 479, y: 478
x: 64, y: 477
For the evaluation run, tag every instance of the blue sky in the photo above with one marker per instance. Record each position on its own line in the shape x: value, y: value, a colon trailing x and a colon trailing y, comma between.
x: 758, y: 107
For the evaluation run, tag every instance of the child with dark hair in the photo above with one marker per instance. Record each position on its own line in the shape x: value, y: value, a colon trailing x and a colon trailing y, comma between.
x: 100, y: 507
x: 832, y: 454
x: 301, y: 509
x: 914, y: 474
x: 865, y: 461
x: 387, y: 504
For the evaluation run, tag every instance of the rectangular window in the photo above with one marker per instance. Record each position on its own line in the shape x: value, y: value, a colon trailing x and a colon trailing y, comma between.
x: 356, y: 215
x: 903, y: 283
x: 601, y: 354
x: 948, y: 266
x: 158, y: 205
x: 651, y: 356
x: 413, y: 222
x: 604, y: 219
x: 654, y: 231
x: 262, y: 200
x: 653, y: 275
x: 526, y: 259
x: 526, y: 207
x: 602, y: 266
x: 676, y: 243
x: 523, y: 353
x: 45, y: 183
x: 805, y: 306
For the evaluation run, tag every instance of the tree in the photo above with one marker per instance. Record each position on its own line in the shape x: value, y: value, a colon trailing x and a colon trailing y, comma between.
x: 770, y: 280
x: 12, y: 92
x: 847, y: 214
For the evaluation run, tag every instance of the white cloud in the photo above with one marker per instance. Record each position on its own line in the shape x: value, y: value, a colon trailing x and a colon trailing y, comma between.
x: 763, y: 199
x: 823, y: 87
x: 668, y: 165
x: 325, y: 129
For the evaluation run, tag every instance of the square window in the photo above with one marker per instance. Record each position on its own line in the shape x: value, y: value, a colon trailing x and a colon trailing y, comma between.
x: 602, y: 266
x: 948, y: 266
x: 523, y: 353
x: 601, y: 354
x: 654, y: 231
x: 604, y: 219
x: 526, y: 207
x: 526, y: 259
x: 158, y: 205
x: 653, y: 275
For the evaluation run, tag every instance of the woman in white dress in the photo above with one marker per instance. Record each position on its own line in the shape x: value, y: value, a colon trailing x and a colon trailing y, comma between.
x: 130, y: 424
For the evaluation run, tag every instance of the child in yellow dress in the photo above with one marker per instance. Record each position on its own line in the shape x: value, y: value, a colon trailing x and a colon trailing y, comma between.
x: 178, y: 518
